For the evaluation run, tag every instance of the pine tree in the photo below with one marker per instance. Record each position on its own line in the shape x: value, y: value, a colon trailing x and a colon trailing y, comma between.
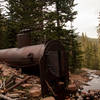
x: 56, y: 20
x: 54, y: 29
x: 2, y: 31
x: 90, y: 48
x: 98, y: 28
x: 26, y: 14
x: 98, y: 31
x: 76, y: 54
x: 32, y: 14
x: 95, y: 56
x: 44, y: 23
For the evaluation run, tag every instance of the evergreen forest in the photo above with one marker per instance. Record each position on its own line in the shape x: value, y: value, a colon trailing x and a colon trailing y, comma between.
x: 91, y: 52
x: 48, y: 20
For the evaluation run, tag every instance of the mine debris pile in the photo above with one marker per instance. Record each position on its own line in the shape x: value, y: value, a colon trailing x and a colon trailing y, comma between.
x: 17, y: 86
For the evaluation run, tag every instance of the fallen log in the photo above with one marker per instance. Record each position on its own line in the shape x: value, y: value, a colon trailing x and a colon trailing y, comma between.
x: 50, y: 88
x: 7, y: 85
x: 5, y: 97
x: 9, y: 79
x: 17, y: 84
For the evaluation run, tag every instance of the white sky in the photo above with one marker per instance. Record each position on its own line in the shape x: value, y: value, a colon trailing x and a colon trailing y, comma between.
x: 87, y: 18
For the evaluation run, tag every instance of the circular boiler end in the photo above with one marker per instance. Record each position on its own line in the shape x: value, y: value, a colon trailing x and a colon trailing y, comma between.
x: 54, y: 59
x: 53, y: 68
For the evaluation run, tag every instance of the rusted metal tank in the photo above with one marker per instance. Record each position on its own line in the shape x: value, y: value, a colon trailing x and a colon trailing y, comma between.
x: 49, y: 59
x: 22, y: 57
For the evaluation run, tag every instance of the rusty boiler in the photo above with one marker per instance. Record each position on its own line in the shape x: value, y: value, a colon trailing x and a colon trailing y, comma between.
x: 49, y: 59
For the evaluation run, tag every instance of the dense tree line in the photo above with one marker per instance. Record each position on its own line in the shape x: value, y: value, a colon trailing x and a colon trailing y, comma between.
x: 46, y: 20
x: 91, y: 52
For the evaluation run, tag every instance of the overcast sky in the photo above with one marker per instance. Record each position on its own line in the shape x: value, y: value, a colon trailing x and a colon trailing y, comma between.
x: 87, y: 18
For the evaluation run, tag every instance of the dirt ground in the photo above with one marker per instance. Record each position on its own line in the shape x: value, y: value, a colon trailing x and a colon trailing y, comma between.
x: 19, y: 86
x: 80, y: 78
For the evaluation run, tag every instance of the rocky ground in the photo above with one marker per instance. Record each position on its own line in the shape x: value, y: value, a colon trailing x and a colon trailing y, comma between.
x: 18, y: 86
x: 15, y: 85
x: 98, y: 73
x: 76, y: 85
x: 90, y: 95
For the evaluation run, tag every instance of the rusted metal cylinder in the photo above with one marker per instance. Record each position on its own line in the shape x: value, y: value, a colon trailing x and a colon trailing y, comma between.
x: 26, y: 56
x: 49, y: 59
x: 53, y: 53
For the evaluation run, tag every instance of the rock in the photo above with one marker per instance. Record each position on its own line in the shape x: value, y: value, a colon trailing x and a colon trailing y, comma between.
x: 13, y: 95
x: 26, y: 85
x: 48, y: 98
x: 92, y: 93
x: 0, y: 81
x: 0, y: 66
x: 6, y: 73
x: 18, y: 80
x: 1, y: 91
x: 37, y: 85
x: 19, y: 91
x: 35, y: 92
x: 97, y: 72
x: 72, y: 87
